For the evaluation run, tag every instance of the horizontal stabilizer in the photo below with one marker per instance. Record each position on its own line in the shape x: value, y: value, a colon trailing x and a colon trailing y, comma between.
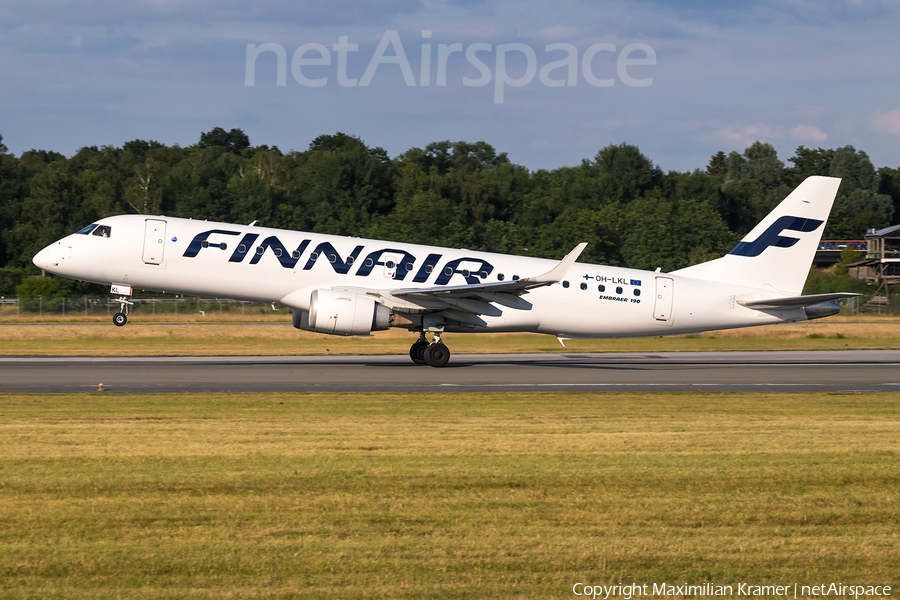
x: 794, y: 301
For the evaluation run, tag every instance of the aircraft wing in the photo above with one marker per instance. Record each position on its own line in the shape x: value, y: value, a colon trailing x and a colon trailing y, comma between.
x: 465, y: 302
x: 794, y: 301
x: 518, y: 286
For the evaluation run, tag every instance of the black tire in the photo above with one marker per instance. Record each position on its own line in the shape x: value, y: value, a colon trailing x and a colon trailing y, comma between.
x: 120, y: 319
x: 417, y: 352
x: 437, y: 355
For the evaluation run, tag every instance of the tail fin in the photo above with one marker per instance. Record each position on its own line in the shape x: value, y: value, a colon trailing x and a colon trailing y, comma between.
x: 777, y: 254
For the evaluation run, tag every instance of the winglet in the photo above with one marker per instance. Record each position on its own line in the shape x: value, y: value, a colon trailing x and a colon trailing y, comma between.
x: 559, y: 271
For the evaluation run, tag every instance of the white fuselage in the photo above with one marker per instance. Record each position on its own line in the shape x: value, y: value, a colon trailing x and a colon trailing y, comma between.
x: 255, y: 263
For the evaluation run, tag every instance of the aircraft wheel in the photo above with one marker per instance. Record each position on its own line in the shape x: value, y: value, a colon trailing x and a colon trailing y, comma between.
x: 120, y: 319
x: 417, y: 352
x: 437, y: 355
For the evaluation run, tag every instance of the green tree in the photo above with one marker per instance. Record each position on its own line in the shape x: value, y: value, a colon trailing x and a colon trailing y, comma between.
x: 624, y: 173
x: 753, y: 186
x: 340, y: 185
x: 858, y: 205
x: 197, y: 184
x: 808, y: 162
x: 234, y: 141
x: 734, y: 164
x: 889, y: 185
x: 718, y: 164
x: 762, y: 164
x: 670, y: 234
x: 602, y: 229
x: 46, y: 212
x: 144, y: 189
x: 139, y: 149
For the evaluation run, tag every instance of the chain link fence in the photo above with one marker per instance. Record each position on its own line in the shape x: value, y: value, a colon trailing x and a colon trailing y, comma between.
x: 107, y: 305
x: 877, y: 304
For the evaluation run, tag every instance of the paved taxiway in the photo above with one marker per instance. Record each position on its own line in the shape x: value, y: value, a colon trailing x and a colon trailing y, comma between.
x: 849, y: 370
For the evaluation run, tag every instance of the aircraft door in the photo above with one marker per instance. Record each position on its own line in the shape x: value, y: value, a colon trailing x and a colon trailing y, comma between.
x: 662, y: 310
x: 391, y: 264
x: 154, y: 241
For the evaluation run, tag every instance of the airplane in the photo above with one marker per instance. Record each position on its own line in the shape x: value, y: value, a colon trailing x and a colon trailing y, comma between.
x: 351, y: 286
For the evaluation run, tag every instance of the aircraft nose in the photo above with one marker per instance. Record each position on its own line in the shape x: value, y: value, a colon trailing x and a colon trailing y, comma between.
x: 49, y: 258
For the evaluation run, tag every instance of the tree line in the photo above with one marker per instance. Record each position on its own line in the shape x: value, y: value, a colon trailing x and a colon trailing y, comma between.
x: 457, y: 194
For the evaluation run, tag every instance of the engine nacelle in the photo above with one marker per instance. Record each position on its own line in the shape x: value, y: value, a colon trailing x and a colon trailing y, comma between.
x: 342, y: 313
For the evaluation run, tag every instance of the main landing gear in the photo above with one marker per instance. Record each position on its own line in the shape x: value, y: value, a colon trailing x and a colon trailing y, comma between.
x: 434, y: 354
x: 121, y: 317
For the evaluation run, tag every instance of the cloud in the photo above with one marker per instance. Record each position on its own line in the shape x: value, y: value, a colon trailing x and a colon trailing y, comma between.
x: 767, y: 12
x: 744, y: 135
x: 808, y: 133
x: 887, y: 121
x: 305, y: 13
x: 561, y: 32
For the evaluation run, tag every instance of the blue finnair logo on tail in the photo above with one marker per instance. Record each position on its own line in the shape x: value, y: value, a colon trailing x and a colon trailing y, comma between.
x: 772, y: 236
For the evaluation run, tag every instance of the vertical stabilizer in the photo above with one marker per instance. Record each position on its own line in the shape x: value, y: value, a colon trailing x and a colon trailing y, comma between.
x: 777, y: 254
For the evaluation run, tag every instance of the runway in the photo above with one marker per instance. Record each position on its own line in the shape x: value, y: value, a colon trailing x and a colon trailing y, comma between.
x: 845, y: 371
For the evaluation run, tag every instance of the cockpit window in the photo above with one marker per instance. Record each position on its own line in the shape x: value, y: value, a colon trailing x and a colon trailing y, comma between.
x: 103, y: 231
x: 87, y: 230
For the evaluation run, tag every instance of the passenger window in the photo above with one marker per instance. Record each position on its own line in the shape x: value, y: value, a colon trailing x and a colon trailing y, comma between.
x: 350, y: 260
x: 260, y: 250
x: 584, y: 286
x: 618, y: 290
x: 389, y: 264
x: 601, y: 288
x: 409, y: 266
x: 565, y: 284
x: 500, y: 277
x: 103, y: 231
x: 295, y: 255
x: 332, y: 258
x: 277, y: 251
x: 242, y: 248
x: 483, y: 274
x: 87, y: 230
x: 637, y: 292
x: 466, y: 272
x: 369, y: 262
x: 429, y: 268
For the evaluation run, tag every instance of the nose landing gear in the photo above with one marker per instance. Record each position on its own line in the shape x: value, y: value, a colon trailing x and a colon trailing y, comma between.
x: 434, y: 354
x: 121, y: 317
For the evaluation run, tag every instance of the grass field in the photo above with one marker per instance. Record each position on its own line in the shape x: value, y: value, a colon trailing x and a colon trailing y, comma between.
x: 216, y: 339
x: 437, y: 496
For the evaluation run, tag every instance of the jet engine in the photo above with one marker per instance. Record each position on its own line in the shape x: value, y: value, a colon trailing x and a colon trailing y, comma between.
x: 342, y: 313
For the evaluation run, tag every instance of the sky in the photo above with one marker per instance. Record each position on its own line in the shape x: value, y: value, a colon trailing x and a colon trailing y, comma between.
x: 549, y: 83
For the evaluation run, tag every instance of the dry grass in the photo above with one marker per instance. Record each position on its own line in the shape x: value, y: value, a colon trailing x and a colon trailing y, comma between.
x: 436, y: 496
x: 139, y: 338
